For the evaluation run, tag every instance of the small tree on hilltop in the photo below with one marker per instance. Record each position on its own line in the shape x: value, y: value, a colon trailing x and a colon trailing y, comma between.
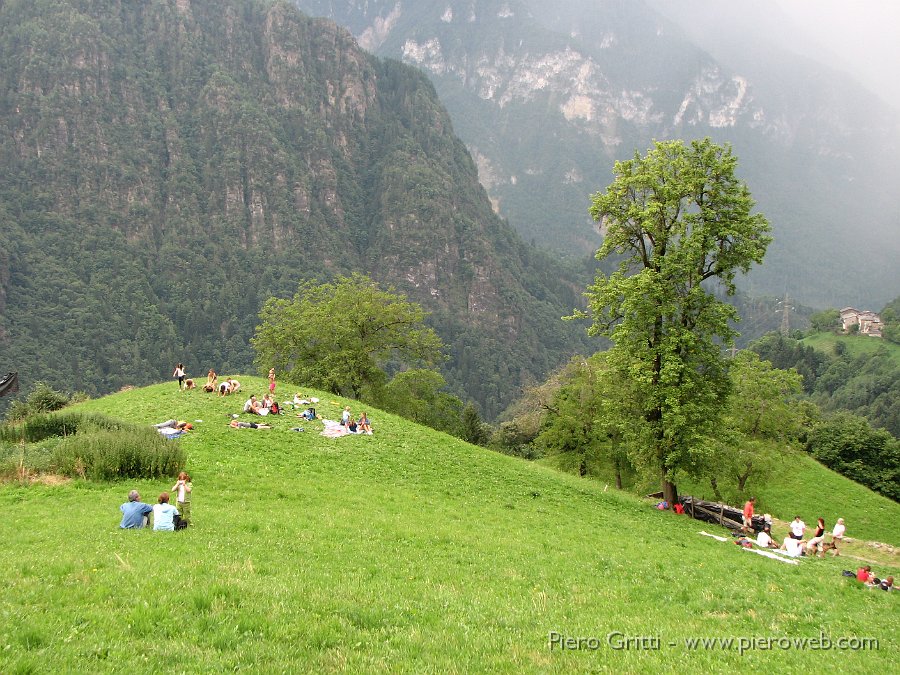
x: 338, y: 336
x: 676, y: 218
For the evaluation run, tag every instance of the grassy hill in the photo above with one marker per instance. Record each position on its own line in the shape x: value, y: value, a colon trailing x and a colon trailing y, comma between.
x: 855, y: 345
x: 798, y: 484
x: 405, y: 551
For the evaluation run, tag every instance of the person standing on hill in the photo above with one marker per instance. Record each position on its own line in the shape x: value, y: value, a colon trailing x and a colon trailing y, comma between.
x: 837, y: 535
x: 179, y: 373
x: 135, y: 513
x: 182, y: 490
x: 748, y: 515
x: 271, y: 380
x: 798, y: 527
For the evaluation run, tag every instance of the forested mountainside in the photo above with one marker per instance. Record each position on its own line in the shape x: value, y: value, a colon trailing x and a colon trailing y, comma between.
x: 547, y: 95
x: 170, y: 164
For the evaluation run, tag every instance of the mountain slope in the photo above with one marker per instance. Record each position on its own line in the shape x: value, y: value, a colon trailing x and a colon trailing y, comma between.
x: 547, y: 96
x: 169, y: 165
x: 400, y: 552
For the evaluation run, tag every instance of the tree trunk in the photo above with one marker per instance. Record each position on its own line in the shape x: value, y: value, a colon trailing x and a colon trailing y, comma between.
x: 715, y: 487
x: 742, y: 479
x: 670, y: 492
x: 618, y: 476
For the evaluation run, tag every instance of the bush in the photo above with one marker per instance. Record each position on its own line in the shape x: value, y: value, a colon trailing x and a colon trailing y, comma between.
x: 106, y: 454
x: 17, y: 461
x: 36, y: 428
x: 87, y: 446
x: 41, y: 399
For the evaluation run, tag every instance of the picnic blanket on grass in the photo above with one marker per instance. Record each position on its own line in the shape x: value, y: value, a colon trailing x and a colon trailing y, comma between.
x: 334, y: 429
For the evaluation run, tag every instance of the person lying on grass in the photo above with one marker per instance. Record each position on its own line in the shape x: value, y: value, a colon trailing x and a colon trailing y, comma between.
x: 235, y: 424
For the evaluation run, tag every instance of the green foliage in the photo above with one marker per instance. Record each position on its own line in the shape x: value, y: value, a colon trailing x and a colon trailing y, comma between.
x: 340, y: 336
x: 102, y: 454
x: 585, y: 416
x: 417, y: 395
x: 762, y: 414
x: 36, y: 428
x: 848, y: 444
x: 826, y: 320
x: 676, y: 218
x: 890, y: 317
x: 859, y: 374
x: 787, y: 353
x: 515, y: 438
x: 41, y: 399
x: 87, y: 445
x: 474, y: 430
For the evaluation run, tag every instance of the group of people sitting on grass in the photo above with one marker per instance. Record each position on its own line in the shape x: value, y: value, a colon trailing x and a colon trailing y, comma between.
x: 224, y: 388
x: 360, y: 426
x: 794, y: 544
x: 867, y: 576
x: 165, y: 517
x: 266, y: 406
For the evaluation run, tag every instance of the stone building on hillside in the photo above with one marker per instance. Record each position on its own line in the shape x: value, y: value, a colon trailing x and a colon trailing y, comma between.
x: 869, y: 322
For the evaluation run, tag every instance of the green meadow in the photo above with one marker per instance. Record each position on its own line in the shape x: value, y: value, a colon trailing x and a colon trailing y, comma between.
x: 405, y: 551
x: 855, y: 345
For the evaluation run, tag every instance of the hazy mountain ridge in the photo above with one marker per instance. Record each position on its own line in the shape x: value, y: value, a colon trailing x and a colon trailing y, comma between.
x: 546, y: 97
x: 169, y: 165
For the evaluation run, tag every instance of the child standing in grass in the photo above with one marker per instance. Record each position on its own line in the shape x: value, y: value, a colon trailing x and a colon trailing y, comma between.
x: 182, y: 490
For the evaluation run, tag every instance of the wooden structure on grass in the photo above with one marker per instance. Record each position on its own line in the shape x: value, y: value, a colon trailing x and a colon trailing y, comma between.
x: 719, y: 514
x: 715, y: 513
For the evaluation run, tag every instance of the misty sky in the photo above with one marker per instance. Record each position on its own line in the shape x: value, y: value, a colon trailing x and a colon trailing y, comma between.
x: 862, y: 35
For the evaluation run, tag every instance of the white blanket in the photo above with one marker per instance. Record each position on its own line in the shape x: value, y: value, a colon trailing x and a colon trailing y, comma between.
x: 771, y: 554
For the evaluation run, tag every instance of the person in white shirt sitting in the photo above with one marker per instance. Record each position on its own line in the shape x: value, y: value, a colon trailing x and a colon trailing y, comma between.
x: 764, y: 539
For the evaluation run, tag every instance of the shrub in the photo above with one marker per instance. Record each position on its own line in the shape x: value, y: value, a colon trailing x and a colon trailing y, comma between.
x: 36, y: 428
x: 106, y: 454
x: 41, y: 399
x: 87, y: 445
x: 17, y: 461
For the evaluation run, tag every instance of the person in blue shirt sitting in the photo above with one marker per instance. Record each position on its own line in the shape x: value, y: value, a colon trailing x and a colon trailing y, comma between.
x: 164, y: 514
x: 135, y: 514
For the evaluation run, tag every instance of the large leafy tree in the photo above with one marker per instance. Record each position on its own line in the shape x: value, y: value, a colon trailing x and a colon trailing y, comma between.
x: 584, y: 418
x: 848, y: 444
x: 764, y: 410
x: 678, y: 221
x: 341, y: 336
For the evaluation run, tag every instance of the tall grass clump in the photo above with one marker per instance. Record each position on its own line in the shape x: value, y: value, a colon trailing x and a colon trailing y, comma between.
x: 20, y: 460
x: 36, y: 428
x: 107, y: 454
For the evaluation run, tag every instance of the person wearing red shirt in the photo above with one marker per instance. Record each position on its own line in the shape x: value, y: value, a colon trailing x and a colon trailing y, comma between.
x: 748, y: 515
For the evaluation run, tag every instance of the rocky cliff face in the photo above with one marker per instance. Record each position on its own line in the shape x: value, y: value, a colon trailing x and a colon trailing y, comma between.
x: 219, y: 152
x: 548, y: 95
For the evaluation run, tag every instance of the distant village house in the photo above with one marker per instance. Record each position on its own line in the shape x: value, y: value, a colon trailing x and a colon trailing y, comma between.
x: 869, y: 322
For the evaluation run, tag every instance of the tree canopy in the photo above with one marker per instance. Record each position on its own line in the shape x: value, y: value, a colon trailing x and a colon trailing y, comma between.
x: 677, y: 220
x: 342, y: 335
